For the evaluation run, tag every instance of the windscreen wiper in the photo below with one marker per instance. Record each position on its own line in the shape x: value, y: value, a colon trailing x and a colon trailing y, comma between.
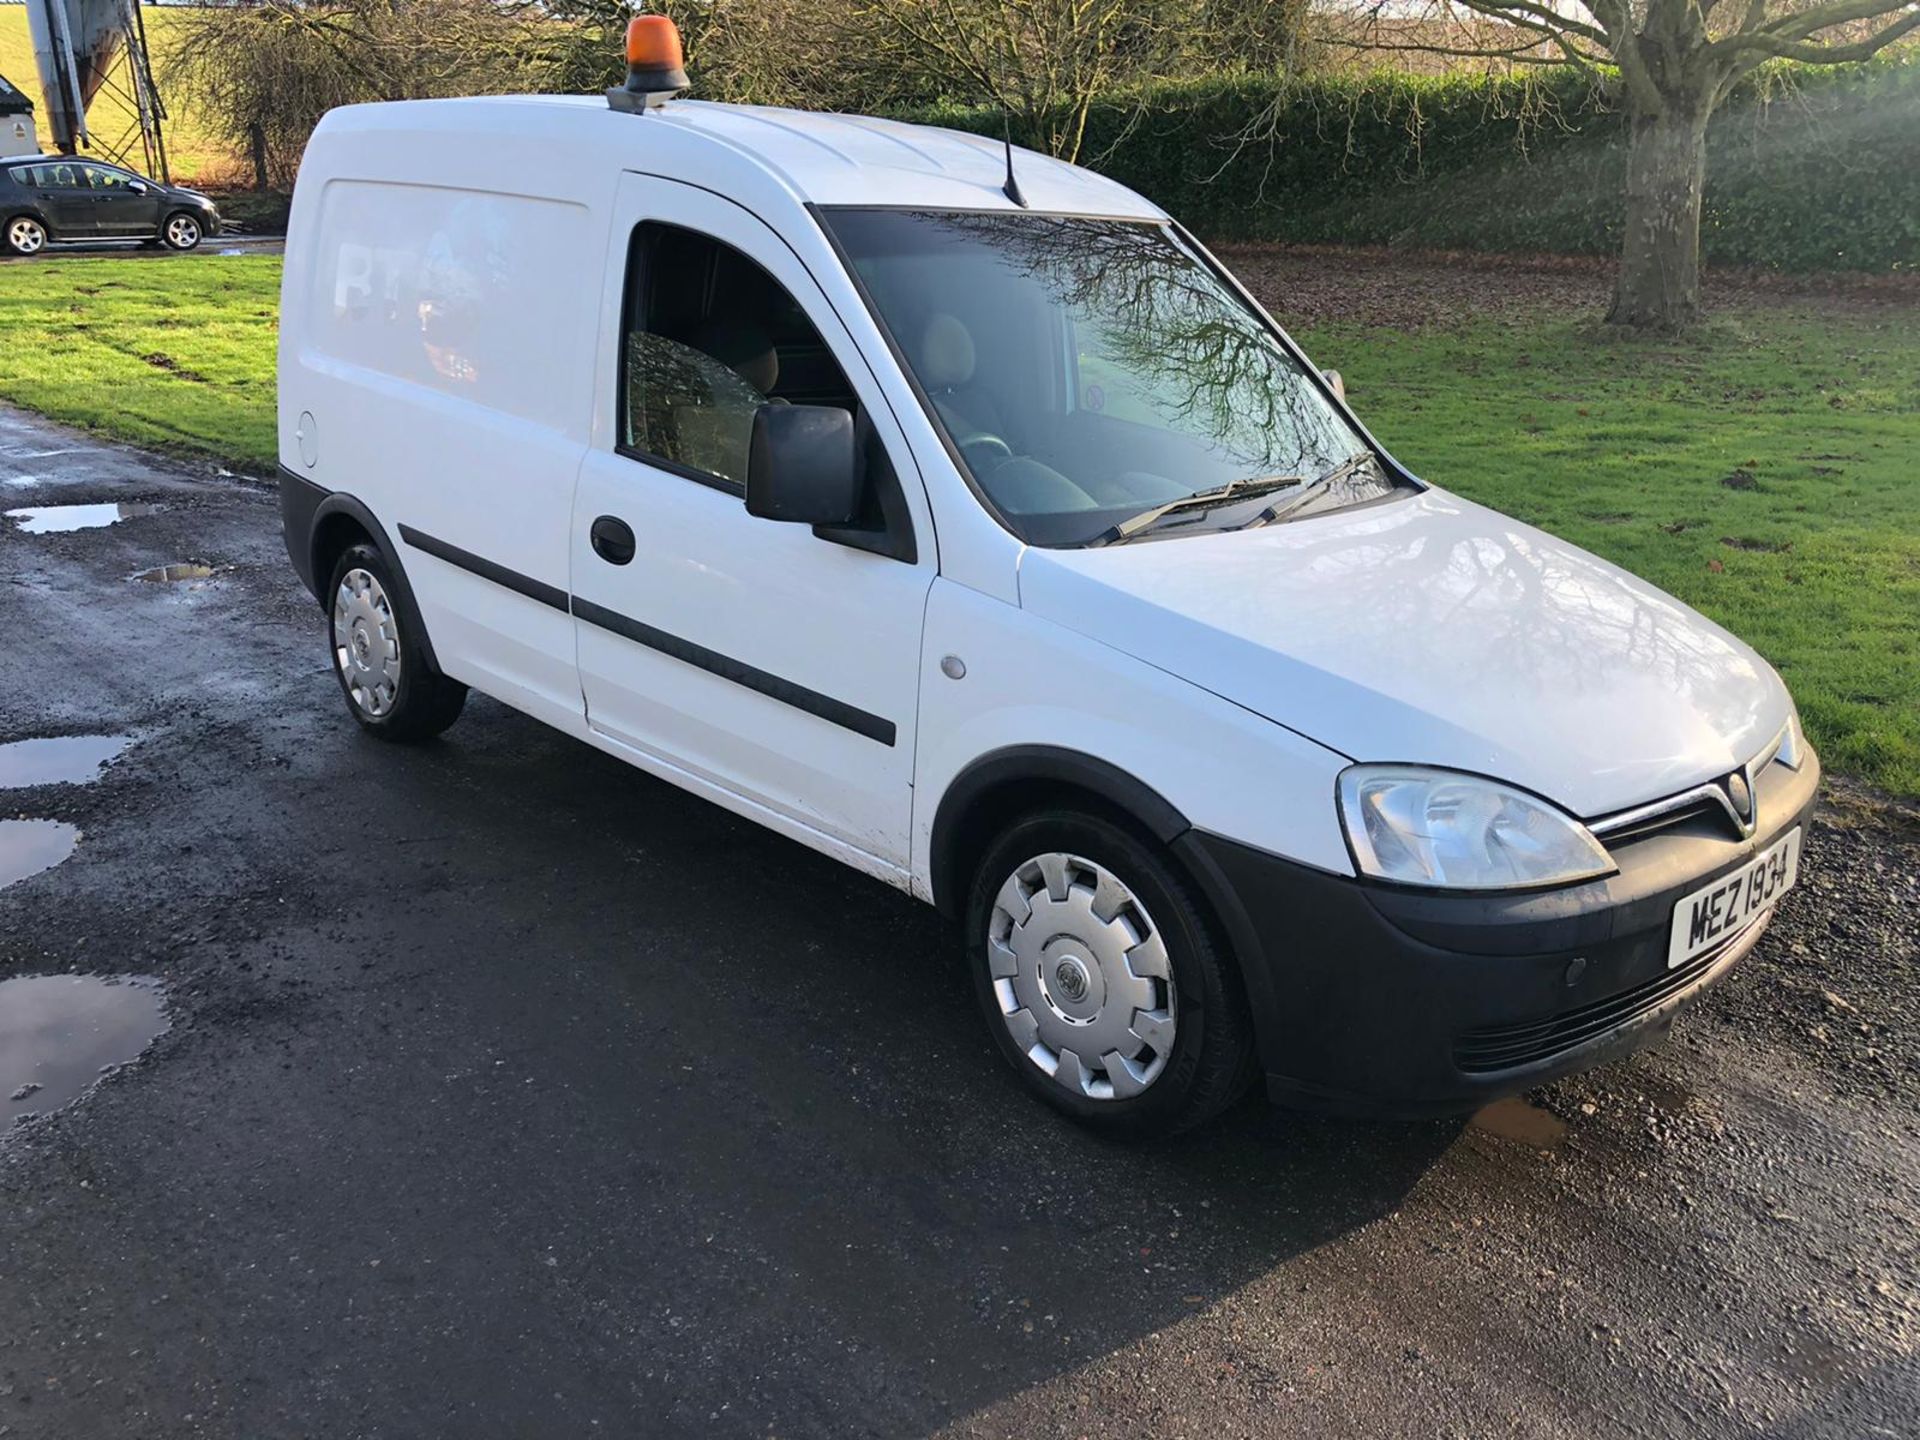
x: 1312, y: 490
x: 1199, y: 500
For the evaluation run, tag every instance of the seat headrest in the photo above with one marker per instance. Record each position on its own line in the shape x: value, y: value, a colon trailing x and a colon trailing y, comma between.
x: 946, y: 352
x: 742, y: 347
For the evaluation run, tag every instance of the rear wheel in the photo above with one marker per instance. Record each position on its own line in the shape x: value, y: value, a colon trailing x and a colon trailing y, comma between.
x: 181, y: 231
x: 25, y: 235
x: 1101, y: 979
x: 383, y: 670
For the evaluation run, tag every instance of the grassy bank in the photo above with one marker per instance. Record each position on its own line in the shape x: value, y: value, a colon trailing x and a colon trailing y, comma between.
x: 1762, y: 471
x: 174, y: 352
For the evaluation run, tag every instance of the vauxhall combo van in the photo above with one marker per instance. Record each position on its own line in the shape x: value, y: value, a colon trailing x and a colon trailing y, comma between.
x: 950, y: 510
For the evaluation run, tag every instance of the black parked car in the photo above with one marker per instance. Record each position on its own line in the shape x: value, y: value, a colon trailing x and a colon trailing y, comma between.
x: 59, y: 197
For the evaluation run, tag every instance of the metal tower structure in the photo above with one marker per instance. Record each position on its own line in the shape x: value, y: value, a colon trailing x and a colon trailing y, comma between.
x: 84, y: 48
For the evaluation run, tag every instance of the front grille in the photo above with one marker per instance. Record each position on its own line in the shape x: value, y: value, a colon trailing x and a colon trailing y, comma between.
x: 1508, y: 1047
x: 1704, y: 809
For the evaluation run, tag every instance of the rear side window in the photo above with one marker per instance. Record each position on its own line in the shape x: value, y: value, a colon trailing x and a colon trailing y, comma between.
x: 470, y: 294
x: 710, y: 337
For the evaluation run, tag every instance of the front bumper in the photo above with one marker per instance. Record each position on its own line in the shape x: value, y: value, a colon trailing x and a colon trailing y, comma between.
x: 1377, y: 999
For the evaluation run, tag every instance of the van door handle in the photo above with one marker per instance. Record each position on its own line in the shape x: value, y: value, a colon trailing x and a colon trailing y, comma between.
x: 612, y: 540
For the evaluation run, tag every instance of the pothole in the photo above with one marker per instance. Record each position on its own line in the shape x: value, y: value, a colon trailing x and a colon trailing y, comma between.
x: 60, y: 1033
x: 178, y: 574
x: 57, y: 760
x: 29, y: 846
x: 1515, y: 1119
x: 52, y: 519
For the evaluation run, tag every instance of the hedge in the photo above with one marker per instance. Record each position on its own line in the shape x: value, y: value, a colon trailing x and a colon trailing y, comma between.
x: 1809, y: 169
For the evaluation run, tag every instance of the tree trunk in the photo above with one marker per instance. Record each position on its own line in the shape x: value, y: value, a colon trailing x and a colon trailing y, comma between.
x: 1659, y: 284
x: 257, y: 137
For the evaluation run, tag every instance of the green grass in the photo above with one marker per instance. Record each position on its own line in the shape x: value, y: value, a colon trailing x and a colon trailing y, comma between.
x: 1624, y: 447
x: 174, y: 352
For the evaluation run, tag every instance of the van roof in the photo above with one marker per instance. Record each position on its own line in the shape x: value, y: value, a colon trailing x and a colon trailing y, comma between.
x: 824, y: 159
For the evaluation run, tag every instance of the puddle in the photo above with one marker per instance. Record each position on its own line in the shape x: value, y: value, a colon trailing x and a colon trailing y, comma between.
x: 29, y: 846
x: 58, y: 1033
x: 1514, y: 1119
x: 65, y: 760
x: 175, y: 574
x: 51, y: 519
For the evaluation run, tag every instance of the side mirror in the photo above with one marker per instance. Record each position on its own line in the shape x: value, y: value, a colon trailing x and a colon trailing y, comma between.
x: 1339, y: 385
x: 802, y: 465
x: 137, y: 187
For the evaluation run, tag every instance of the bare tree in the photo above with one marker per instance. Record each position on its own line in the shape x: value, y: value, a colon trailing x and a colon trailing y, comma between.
x: 1044, y: 61
x: 263, y: 72
x: 1676, y: 61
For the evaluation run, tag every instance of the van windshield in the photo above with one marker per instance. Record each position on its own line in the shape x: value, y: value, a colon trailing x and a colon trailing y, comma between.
x: 1099, y: 381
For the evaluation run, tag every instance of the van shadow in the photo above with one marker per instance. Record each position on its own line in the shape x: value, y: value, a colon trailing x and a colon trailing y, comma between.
x: 850, y: 1203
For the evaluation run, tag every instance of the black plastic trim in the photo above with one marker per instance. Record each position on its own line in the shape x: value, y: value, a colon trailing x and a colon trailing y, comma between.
x: 486, y: 569
x: 300, y: 502
x: 1037, y: 764
x: 305, y: 509
x: 1370, y: 999
x: 787, y: 692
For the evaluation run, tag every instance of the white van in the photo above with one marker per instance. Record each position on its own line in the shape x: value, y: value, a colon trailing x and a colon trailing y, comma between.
x: 989, y: 537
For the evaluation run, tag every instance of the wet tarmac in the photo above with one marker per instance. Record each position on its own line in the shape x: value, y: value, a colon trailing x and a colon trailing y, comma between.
x: 60, y: 1033
x: 509, y: 1092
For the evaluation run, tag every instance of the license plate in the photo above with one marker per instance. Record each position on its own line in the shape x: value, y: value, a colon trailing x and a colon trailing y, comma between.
x: 1726, y: 907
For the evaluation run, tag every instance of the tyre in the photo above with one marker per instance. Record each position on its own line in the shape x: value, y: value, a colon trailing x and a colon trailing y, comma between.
x: 1102, y: 980
x: 181, y: 231
x: 25, y: 236
x: 390, y: 687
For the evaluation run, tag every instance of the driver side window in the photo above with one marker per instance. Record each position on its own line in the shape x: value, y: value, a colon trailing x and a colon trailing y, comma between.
x: 708, y: 338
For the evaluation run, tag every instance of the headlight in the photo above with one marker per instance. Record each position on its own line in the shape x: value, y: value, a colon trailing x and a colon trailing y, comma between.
x: 1460, y: 832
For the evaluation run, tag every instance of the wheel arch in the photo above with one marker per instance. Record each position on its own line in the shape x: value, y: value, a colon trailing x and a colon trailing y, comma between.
x: 997, y: 788
x: 339, y: 521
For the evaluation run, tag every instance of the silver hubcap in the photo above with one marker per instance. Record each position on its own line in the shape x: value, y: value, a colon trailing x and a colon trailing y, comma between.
x: 182, y: 232
x: 26, y: 236
x: 1082, y: 977
x: 366, y: 643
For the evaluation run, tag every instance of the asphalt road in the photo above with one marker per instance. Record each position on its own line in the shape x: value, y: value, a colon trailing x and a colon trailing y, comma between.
x: 509, y: 1092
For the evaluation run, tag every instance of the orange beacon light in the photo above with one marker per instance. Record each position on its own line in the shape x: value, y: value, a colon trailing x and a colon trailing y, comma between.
x: 656, y: 70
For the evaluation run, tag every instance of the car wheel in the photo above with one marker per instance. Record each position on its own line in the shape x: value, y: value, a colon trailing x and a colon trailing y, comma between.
x: 391, y: 688
x: 181, y: 232
x: 26, y: 235
x: 1102, y: 980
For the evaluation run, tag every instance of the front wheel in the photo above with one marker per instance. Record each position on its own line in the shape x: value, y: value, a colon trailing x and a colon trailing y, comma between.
x: 1101, y: 979
x: 26, y: 235
x: 181, y: 232
x: 383, y: 671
